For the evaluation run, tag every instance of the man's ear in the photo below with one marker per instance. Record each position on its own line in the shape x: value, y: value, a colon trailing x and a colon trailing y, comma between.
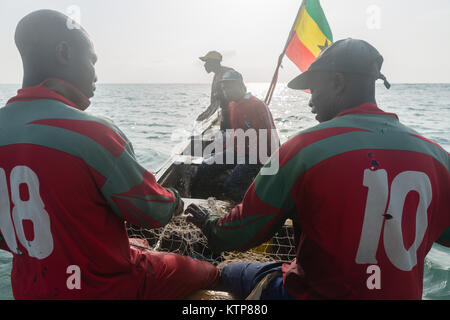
x: 339, y: 83
x: 63, y: 53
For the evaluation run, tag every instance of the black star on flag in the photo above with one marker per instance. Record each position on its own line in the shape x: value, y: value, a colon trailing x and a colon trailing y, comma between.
x: 326, y: 45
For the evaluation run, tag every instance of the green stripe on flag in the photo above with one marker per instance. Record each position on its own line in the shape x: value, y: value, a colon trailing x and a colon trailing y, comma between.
x: 315, y: 11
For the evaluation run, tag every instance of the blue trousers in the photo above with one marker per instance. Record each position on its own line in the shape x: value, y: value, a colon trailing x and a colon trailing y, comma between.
x: 234, y: 186
x: 240, y: 278
x: 240, y: 180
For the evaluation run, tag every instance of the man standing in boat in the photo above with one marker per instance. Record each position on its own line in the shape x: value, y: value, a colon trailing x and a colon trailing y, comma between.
x: 250, y: 138
x: 367, y: 195
x: 73, y: 181
x: 213, y: 60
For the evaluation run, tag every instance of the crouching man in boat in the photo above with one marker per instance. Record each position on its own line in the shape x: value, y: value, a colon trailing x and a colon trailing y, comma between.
x: 73, y: 181
x: 249, y: 137
x: 368, y: 196
x: 213, y: 64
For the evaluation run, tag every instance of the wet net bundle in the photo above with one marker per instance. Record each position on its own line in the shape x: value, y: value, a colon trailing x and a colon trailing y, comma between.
x: 184, y: 238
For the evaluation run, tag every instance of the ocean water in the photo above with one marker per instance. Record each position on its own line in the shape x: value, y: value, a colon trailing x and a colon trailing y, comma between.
x: 156, y: 118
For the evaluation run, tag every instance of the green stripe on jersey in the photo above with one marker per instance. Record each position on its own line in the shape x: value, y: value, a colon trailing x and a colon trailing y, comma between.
x: 21, y: 113
x: 385, y: 135
x: 14, y: 129
x: 223, y: 239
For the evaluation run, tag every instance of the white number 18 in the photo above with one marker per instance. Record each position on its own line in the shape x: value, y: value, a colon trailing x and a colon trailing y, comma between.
x: 33, y: 209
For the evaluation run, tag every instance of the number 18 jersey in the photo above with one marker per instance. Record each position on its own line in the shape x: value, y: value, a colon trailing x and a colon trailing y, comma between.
x: 68, y: 183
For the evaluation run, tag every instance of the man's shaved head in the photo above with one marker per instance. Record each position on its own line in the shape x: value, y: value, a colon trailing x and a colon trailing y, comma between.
x: 53, y: 46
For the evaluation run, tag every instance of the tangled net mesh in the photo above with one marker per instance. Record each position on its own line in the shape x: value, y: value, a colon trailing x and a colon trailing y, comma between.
x: 186, y: 239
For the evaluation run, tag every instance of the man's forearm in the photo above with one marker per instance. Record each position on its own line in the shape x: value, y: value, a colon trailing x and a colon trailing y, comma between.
x: 246, y: 226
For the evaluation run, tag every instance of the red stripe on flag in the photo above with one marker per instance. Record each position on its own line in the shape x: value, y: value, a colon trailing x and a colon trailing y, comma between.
x: 299, y: 54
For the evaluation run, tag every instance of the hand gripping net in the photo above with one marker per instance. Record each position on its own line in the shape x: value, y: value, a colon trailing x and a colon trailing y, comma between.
x: 186, y: 239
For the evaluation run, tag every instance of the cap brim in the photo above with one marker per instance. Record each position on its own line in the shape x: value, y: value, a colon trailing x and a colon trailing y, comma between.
x: 302, y: 82
x: 209, y: 59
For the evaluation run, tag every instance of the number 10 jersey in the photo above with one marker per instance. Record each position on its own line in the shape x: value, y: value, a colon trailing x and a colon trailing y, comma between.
x: 364, y: 192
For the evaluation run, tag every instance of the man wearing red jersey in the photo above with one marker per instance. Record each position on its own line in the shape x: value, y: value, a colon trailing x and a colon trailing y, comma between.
x: 251, y: 138
x: 368, y: 196
x: 69, y: 181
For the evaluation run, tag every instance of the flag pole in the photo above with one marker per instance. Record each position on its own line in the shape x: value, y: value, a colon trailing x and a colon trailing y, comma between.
x: 273, y: 84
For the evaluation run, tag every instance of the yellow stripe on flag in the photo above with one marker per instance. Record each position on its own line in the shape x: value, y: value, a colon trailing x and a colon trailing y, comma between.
x: 309, y: 33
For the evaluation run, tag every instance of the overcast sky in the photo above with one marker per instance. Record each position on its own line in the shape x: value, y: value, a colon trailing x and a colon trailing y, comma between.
x: 159, y: 41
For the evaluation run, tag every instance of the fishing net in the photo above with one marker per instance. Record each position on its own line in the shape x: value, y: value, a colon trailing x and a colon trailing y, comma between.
x: 186, y: 239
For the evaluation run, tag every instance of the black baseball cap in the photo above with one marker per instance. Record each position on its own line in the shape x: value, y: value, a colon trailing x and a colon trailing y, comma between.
x: 346, y: 56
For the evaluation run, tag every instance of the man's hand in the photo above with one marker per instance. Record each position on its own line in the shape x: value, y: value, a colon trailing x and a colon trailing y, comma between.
x: 197, y: 215
x: 179, y: 209
x: 208, y: 112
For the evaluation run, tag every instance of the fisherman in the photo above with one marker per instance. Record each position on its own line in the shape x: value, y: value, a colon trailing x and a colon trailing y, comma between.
x: 213, y: 60
x: 368, y: 196
x: 74, y: 181
x: 246, y: 119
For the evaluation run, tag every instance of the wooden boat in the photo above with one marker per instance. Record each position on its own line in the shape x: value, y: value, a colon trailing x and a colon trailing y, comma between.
x: 179, y: 171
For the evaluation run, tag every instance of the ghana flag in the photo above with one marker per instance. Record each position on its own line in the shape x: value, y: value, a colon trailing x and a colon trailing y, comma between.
x: 310, y: 36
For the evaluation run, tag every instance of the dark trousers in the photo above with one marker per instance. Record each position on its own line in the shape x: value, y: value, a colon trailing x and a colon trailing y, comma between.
x: 239, y: 180
x: 234, y: 184
x: 240, y: 278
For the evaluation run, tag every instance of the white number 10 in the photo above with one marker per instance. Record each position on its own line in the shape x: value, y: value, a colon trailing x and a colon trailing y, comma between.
x: 377, y: 199
x: 33, y: 209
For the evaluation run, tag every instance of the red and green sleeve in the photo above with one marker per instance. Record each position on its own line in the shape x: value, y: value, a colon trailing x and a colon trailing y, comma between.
x: 129, y: 189
x: 444, y: 239
x: 265, y: 207
x: 134, y: 195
